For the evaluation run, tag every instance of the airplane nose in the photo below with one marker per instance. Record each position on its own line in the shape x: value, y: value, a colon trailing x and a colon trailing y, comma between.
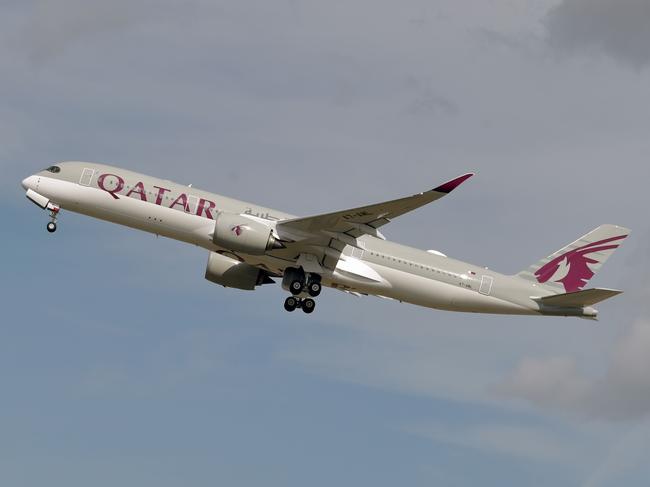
x: 27, y: 182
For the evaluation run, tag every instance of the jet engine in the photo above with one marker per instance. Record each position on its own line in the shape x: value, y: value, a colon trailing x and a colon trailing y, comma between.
x: 232, y: 273
x: 241, y: 234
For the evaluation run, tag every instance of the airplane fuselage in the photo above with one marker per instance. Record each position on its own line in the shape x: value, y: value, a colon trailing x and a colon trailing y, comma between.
x: 374, y: 266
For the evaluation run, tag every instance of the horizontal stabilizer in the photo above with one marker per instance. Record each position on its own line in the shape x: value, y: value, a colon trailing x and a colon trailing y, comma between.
x: 578, y: 299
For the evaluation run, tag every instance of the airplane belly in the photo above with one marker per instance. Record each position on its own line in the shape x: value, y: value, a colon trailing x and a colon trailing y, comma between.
x: 431, y: 293
x: 409, y: 288
x: 473, y: 302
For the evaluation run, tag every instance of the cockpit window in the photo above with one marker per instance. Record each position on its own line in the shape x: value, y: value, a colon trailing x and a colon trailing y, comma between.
x: 54, y: 169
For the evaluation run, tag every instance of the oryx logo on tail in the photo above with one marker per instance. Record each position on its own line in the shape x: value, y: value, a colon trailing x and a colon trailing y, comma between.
x: 571, y: 268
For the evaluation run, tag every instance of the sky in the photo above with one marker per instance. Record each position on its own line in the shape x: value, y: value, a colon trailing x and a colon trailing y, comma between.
x: 120, y: 364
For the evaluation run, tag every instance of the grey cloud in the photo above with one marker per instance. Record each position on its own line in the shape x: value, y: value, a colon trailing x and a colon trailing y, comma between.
x: 617, y: 28
x: 50, y: 28
x: 427, y: 104
x: 521, y: 442
x: 626, y: 454
x: 623, y: 392
x: 492, y: 37
x: 192, y: 356
x: 308, y: 108
x: 309, y: 90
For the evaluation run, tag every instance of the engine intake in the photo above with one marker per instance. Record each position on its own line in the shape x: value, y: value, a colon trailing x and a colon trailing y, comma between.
x: 241, y: 234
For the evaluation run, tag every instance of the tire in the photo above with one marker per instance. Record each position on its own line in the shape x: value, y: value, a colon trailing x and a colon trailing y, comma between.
x: 308, y: 305
x: 51, y: 227
x: 295, y: 287
x: 314, y: 289
x: 290, y: 304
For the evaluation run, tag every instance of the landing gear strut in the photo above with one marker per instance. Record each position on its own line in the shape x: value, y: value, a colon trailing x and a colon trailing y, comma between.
x: 54, y: 213
x: 299, y: 283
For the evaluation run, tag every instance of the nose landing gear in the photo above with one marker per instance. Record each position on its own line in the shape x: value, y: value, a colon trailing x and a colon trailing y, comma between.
x: 54, y: 213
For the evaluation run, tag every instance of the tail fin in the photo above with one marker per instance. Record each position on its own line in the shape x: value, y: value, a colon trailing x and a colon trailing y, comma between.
x: 569, y: 269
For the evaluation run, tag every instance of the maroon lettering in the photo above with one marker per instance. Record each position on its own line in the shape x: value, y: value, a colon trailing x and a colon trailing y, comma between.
x: 202, y: 208
x: 119, y: 184
x: 181, y: 200
x: 161, y: 194
x: 138, y: 189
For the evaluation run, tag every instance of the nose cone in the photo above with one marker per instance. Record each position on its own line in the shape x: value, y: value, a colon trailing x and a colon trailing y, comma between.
x: 28, y: 183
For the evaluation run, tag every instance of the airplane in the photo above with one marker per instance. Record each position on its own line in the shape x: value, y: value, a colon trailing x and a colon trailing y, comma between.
x: 250, y: 245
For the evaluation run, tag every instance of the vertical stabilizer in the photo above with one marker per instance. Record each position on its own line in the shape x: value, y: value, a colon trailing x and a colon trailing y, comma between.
x: 570, y: 268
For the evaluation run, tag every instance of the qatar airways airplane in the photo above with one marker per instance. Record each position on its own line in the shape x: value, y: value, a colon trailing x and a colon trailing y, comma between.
x: 249, y: 245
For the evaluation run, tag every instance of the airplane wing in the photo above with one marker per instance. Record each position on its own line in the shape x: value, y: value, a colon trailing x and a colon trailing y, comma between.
x: 317, y: 242
x: 364, y: 220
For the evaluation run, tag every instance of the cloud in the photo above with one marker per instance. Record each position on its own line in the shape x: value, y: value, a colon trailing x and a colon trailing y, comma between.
x: 178, y: 361
x: 626, y: 456
x: 617, y: 28
x: 622, y: 393
x: 50, y: 28
x: 430, y: 104
x: 522, y: 442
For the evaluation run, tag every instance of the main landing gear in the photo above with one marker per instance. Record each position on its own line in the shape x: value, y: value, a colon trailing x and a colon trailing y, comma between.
x: 54, y: 213
x: 313, y: 288
x: 292, y: 303
x: 300, y: 284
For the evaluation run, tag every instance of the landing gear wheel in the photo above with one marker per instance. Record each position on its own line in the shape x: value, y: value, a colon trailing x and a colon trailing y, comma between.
x: 314, y: 289
x: 295, y: 287
x: 51, y: 227
x: 308, y: 305
x: 290, y: 304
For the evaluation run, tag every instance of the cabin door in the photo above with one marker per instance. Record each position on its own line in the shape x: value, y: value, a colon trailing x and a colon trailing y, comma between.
x: 486, y: 285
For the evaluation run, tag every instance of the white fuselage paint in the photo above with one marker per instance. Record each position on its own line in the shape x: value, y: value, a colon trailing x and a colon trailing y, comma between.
x: 382, y: 268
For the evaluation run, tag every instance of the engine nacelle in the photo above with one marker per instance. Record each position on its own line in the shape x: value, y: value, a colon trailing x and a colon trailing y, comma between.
x: 241, y: 234
x: 232, y: 273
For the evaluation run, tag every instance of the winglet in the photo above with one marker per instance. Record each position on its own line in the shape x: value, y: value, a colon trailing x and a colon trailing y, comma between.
x: 449, y: 186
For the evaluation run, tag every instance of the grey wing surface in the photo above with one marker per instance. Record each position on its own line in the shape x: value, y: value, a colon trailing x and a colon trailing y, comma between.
x: 319, y: 240
x: 356, y: 222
